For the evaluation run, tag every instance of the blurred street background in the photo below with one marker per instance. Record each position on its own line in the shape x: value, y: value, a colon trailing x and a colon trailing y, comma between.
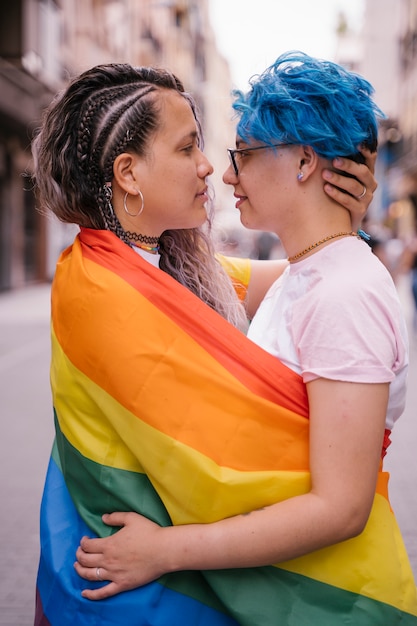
x: 213, y: 46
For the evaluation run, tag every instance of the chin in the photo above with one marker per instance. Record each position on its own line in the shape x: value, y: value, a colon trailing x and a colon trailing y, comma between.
x: 247, y: 224
x: 201, y: 219
x: 194, y: 219
x: 196, y: 223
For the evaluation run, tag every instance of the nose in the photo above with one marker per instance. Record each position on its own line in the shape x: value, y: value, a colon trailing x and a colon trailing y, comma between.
x: 205, y: 168
x: 229, y: 176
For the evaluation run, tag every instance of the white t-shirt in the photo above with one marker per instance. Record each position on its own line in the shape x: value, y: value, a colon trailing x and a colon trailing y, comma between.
x: 337, y: 315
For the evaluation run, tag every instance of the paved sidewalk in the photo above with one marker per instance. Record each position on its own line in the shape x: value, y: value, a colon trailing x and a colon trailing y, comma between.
x: 25, y: 443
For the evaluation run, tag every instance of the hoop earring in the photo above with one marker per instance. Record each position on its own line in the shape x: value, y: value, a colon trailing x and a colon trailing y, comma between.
x: 141, y: 208
x: 300, y: 176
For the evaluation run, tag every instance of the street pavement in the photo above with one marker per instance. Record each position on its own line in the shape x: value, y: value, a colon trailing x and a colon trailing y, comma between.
x: 25, y: 442
x: 27, y: 434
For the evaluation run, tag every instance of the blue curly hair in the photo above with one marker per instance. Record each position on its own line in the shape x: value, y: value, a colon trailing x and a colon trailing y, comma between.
x: 307, y: 101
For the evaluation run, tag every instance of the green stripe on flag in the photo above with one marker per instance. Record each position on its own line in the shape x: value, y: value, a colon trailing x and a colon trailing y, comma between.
x: 267, y: 596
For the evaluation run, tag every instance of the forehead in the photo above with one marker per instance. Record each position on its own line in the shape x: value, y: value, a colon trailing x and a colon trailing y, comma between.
x: 176, y: 114
x: 244, y: 143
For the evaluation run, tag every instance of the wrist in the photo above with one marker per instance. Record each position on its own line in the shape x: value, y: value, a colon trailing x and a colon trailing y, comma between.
x: 192, y: 547
x: 175, y: 549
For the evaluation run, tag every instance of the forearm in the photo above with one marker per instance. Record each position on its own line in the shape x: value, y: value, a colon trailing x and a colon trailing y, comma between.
x: 142, y: 551
x: 275, y: 534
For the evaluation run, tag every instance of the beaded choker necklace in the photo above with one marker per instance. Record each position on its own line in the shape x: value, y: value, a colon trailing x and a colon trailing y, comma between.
x: 319, y: 243
x: 144, y: 242
x: 144, y: 246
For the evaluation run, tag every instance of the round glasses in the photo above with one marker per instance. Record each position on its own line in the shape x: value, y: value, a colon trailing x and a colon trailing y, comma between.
x: 234, y: 152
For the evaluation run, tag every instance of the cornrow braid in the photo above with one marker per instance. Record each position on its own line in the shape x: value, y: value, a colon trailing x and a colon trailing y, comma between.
x: 117, y: 135
x: 104, y: 136
x: 110, y: 221
x: 95, y: 103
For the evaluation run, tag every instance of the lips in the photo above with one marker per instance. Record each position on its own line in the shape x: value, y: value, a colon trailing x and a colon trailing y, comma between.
x: 202, y: 193
x: 239, y: 200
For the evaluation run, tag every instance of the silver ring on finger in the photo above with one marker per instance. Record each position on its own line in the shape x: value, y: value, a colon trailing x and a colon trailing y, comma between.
x: 361, y: 195
x: 98, y: 573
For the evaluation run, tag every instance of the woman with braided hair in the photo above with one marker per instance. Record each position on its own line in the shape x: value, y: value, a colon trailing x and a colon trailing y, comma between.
x: 155, y: 387
x: 110, y: 112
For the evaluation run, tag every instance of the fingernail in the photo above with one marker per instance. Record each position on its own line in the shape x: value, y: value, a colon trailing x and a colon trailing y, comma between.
x: 338, y: 161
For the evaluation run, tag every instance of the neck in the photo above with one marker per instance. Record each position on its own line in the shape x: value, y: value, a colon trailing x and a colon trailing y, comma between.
x: 144, y: 242
x: 308, y: 227
x: 312, y: 219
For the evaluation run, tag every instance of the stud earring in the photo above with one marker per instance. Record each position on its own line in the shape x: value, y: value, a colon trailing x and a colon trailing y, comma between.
x: 300, y: 176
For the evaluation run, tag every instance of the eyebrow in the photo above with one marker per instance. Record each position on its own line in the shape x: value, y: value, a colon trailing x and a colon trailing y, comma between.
x: 192, y: 135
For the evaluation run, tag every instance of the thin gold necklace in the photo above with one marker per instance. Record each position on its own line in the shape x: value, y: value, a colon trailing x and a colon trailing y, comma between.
x: 319, y: 243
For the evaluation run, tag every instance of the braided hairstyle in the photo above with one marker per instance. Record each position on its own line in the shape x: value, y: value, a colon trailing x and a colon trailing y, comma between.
x: 104, y: 112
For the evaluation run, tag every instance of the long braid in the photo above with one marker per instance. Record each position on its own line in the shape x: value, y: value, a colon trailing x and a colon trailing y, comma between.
x: 94, y: 141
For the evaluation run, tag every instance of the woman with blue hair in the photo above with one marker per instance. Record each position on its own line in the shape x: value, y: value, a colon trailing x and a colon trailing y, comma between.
x: 320, y: 544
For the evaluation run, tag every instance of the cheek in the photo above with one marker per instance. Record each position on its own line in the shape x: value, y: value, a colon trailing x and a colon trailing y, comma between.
x: 257, y: 193
x: 269, y: 192
x: 254, y: 181
x: 179, y: 186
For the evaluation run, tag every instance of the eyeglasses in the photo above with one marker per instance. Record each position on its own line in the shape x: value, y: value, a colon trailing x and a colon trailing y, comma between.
x: 234, y: 152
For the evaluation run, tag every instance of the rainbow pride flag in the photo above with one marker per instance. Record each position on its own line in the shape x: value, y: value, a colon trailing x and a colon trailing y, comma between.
x: 161, y: 407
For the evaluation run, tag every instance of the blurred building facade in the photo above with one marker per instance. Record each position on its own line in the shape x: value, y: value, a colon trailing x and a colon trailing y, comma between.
x: 385, y: 52
x: 407, y: 110
x: 43, y: 43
